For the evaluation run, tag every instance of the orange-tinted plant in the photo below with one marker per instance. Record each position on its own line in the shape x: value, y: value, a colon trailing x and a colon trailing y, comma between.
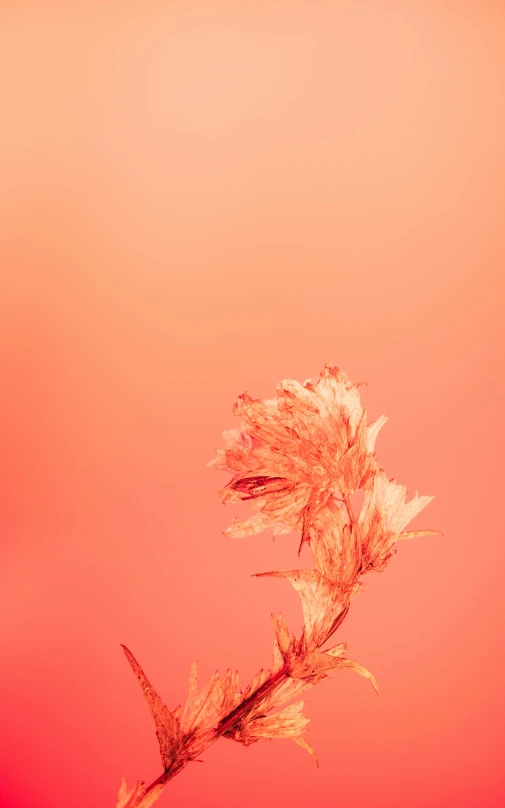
x: 297, y: 459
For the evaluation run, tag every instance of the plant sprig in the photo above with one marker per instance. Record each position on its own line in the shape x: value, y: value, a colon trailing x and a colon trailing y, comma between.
x: 297, y: 460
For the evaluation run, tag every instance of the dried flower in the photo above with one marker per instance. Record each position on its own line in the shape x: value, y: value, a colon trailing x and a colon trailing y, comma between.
x: 297, y: 459
x: 324, y: 605
x: 295, y: 452
x: 383, y: 516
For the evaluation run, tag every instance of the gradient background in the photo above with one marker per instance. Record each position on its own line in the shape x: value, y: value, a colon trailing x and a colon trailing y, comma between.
x: 199, y: 199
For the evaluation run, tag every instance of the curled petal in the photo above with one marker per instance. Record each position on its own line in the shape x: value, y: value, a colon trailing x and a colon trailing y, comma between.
x: 357, y: 668
x: 319, y: 662
x: 373, y: 430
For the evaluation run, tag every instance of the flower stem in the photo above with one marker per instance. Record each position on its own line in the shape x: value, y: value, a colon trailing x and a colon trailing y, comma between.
x: 227, y: 722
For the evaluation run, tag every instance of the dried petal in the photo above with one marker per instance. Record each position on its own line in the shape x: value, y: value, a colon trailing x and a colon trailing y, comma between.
x: 167, y: 726
x: 137, y: 797
x: 256, y: 682
x: 289, y: 723
x: 301, y: 741
x: 283, y: 640
x: 317, y: 663
x: 373, y: 430
x: 324, y: 604
x: 357, y: 668
x: 335, y: 547
x: 337, y: 650
x: 383, y: 516
x: 312, y: 664
x: 285, y: 691
x: 413, y: 534
x: 204, y: 710
x: 358, y: 462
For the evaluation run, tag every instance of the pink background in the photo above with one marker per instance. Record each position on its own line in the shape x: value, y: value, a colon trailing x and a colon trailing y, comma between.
x: 199, y: 199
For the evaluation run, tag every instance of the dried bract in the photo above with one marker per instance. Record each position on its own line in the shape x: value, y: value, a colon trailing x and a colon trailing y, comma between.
x: 168, y: 728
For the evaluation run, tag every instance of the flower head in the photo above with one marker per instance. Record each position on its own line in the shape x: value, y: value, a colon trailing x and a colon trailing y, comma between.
x: 383, y: 516
x: 293, y: 453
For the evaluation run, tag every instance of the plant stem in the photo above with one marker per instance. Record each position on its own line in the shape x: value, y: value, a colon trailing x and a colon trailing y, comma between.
x: 227, y: 722
x: 245, y: 706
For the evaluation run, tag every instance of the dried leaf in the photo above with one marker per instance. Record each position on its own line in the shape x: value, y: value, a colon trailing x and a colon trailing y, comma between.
x: 167, y: 726
x: 137, y: 797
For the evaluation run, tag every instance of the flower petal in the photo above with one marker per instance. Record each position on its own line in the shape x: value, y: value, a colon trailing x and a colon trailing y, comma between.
x: 413, y: 534
x: 319, y: 662
x: 383, y: 517
x: 324, y: 604
x: 137, y: 797
x: 357, y: 668
x: 301, y: 741
x: 372, y: 432
x: 283, y: 639
x: 204, y: 710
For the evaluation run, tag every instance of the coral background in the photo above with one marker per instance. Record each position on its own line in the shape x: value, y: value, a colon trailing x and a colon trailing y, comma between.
x: 199, y: 199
